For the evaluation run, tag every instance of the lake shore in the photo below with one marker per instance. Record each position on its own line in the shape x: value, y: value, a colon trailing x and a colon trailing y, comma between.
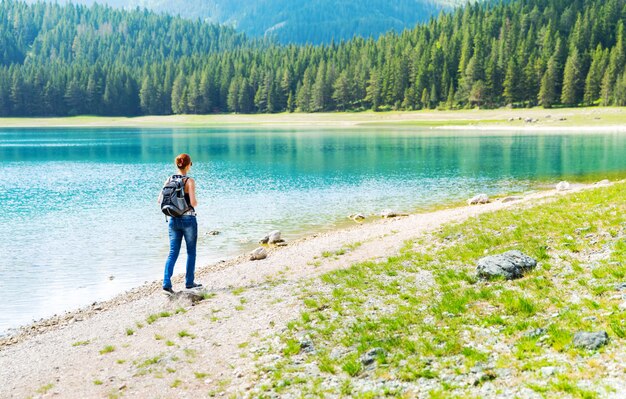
x: 142, y: 344
x: 535, y: 119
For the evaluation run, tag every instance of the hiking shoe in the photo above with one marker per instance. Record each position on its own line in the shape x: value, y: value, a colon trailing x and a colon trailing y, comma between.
x: 169, y: 290
x: 194, y: 285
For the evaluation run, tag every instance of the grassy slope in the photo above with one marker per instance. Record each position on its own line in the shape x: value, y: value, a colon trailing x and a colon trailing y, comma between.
x: 447, y: 334
x: 572, y: 117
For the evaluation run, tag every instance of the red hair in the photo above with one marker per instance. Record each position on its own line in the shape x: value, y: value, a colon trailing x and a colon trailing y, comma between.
x: 182, y: 161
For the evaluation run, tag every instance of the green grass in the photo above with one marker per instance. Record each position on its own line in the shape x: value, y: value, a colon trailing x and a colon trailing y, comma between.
x: 185, y: 333
x: 130, y: 331
x: 176, y: 383
x: 97, y: 382
x: 45, y: 388
x: 107, y: 349
x: 453, y: 322
x: 154, y: 317
x: 81, y: 343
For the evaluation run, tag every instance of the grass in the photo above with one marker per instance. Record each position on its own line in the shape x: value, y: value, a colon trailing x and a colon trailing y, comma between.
x: 107, y: 349
x: 130, y: 331
x: 176, y: 383
x: 431, y: 315
x: 425, y: 118
x: 81, y: 343
x: 45, y: 388
x: 154, y: 317
x: 185, y: 333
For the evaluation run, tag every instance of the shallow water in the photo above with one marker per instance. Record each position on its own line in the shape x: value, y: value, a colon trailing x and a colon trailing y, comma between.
x: 81, y: 223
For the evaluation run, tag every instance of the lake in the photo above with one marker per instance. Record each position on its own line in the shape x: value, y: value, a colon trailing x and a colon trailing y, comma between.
x: 80, y: 221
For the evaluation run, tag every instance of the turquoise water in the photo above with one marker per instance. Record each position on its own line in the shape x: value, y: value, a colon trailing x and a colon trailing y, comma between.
x: 80, y: 221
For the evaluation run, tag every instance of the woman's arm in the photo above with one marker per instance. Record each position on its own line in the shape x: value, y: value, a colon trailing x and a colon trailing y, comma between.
x: 190, y: 188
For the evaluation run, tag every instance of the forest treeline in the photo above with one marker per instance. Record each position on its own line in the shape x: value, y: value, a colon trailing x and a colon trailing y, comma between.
x: 69, y: 60
x: 296, y: 21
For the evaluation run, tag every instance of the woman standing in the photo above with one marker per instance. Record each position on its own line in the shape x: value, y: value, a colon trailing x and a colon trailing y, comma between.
x: 184, y: 226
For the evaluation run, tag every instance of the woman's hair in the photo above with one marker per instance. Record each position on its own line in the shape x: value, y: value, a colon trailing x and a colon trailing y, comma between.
x: 182, y: 161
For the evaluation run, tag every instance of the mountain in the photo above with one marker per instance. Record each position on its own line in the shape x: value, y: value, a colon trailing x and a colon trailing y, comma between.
x: 298, y: 21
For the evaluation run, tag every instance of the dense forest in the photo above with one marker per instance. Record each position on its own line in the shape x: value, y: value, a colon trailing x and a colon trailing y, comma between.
x: 69, y: 60
x: 297, y: 21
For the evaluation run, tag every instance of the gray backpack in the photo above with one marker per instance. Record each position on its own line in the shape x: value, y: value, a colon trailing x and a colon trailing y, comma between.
x: 173, y: 202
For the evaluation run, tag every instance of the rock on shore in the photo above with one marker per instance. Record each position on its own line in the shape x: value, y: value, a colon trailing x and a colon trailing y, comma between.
x: 510, y: 265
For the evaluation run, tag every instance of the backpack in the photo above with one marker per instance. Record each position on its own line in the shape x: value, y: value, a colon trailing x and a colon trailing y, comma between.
x: 173, y: 201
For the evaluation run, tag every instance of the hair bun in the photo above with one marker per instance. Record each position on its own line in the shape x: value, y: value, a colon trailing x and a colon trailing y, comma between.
x: 182, y: 161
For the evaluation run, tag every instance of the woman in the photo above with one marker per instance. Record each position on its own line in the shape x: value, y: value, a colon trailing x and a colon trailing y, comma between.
x: 183, y: 226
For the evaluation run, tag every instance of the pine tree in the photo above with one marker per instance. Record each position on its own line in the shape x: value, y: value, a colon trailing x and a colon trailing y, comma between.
x: 146, y: 96
x: 374, y: 91
x: 548, y: 89
x: 512, y: 82
x: 179, y: 94
x: 341, y: 91
x: 572, y: 80
x: 593, y: 82
x: 232, y: 100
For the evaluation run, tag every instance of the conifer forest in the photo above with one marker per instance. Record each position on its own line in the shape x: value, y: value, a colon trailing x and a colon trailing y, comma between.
x: 61, y: 60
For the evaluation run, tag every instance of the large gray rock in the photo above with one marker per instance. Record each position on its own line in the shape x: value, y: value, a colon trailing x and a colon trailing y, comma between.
x: 272, y: 238
x: 258, y: 254
x: 591, y: 340
x: 510, y: 265
x: 479, y: 199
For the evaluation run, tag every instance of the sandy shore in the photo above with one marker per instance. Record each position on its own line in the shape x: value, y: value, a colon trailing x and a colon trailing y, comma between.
x: 503, y: 119
x: 143, y: 344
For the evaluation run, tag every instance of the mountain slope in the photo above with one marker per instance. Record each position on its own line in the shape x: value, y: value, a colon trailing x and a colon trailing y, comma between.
x: 299, y: 21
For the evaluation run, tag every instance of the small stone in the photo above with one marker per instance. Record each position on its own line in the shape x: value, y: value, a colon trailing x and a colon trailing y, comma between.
x: 537, y: 332
x: 511, y: 199
x: 620, y: 287
x: 488, y: 375
x: 548, y: 371
x: 370, y: 356
x: 258, y: 254
x: 306, y: 345
x: 357, y: 217
x: 604, y: 182
x: 213, y: 233
x: 510, y: 265
x: 622, y: 306
x: 111, y: 277
x: 581, y: 230
x: 590, y: 340
x: 563, y: 186
x: 479, y: 199
x: 388, y: 213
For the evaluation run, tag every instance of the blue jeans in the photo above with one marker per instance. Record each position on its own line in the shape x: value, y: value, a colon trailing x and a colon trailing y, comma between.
x: 185, y: 226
